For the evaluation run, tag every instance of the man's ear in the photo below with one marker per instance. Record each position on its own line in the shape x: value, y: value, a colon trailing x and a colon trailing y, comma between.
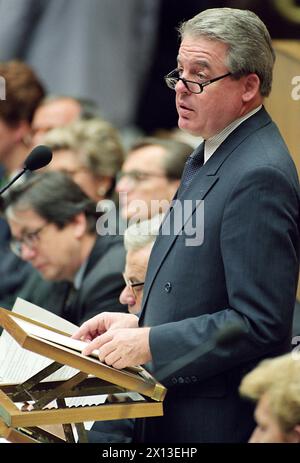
x: 251, y: 87
x: 22, y: 132
x: 80, y: 225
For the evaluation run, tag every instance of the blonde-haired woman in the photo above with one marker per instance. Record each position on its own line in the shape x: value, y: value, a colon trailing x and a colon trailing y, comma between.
x: 91, y: 152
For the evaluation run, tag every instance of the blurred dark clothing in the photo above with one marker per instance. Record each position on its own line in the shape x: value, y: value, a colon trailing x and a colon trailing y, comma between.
x: 14, y: 273
x: 111, y: 431
x: 99, y: 291
x: 296, y: 321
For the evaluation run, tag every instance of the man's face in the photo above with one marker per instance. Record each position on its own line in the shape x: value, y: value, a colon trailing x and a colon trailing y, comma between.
x: 268, y: 429
x: 144, y: 180
x: 51, y: 115
x: 220, y: 103
x: 68, y: 162
x: 135, y: 272
x: 55, y: 252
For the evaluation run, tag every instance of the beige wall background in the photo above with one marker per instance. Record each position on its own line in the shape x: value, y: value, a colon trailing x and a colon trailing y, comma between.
x: 283, y: 108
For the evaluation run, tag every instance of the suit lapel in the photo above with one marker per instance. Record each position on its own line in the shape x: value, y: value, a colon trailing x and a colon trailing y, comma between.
x: 199, y: 187
x: 165, y: 241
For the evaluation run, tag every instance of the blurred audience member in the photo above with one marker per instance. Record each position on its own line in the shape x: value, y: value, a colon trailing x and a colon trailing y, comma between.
x: 24, y: 92
x: 150, y: 177
x: 138, y: 240
x: 58, y: 111
x: 275, y: 385
x: 91, y: 152
x: 53, y: 224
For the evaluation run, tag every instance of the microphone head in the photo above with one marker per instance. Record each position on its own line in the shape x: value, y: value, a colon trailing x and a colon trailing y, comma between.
x: 39, y: 157
x: 229, y: 334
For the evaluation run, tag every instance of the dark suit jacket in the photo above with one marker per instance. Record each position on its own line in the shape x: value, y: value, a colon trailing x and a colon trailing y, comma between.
x: 100, y: 289
x: 245, y: 271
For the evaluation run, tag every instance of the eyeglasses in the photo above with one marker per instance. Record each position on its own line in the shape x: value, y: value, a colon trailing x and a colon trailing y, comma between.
x: 173, y: 78
x: 30, y: 239
x: 137, y: 176
x: 133, y: 285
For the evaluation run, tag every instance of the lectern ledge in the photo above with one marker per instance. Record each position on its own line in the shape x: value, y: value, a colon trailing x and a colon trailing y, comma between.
x: 46, y: 400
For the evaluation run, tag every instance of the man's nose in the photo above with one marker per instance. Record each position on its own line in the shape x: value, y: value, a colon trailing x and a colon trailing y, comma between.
x: 126, y: 296
x: 27, y: 253
x: 181, y: 87
x: 124, y: 185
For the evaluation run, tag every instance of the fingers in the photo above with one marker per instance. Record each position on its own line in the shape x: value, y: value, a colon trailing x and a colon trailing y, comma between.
x: 90, y: 329
x: 103, y: 322
x: 108, y: 351
x: 96, y: 343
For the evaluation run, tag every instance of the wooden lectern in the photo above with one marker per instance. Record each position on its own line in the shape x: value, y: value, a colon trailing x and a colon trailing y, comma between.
x: 92, y: 378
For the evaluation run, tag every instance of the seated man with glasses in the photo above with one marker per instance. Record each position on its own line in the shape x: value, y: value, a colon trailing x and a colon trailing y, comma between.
x: 53, y: 226
x: 150, y: 176
x: 138, y: 241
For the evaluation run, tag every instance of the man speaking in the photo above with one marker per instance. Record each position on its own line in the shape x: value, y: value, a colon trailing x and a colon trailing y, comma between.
x: 246, y: 269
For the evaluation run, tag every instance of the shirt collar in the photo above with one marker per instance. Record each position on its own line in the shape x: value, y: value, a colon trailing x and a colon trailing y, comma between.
x: 213, y: 143
x: 79, y: 275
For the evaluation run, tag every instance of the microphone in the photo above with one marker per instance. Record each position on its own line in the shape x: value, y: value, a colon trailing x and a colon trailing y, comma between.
x: 226, y: 336
x: 39, y: 157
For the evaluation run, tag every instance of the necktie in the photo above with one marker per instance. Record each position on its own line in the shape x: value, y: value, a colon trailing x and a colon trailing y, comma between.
x: 69, y: 301
x: 192, y: 165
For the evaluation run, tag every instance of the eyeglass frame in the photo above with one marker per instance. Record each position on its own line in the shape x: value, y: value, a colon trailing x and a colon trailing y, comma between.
x: 186, y: 81
x: 132, y: 285
x: 133, y: 175
x: 30, y: 239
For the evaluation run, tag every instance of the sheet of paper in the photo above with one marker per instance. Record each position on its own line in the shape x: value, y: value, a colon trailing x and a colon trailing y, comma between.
x: 60, y: 339
x: 38, y: 314
x: 18, y: 364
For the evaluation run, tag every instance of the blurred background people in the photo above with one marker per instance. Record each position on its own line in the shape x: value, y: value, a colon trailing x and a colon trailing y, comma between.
x: 275, y: 385
x: 90, y: 151
x: 53, y: 225
x: 138, y: 241
x: 24, y: 91
x: 150, y: 176
x: 58, y: 111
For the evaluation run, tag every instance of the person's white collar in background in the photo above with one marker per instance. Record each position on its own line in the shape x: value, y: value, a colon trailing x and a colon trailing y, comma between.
x: 213, y: 143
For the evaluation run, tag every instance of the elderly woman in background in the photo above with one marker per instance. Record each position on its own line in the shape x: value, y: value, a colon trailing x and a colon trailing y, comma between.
x: 275, y: 386
x: 91, y: 152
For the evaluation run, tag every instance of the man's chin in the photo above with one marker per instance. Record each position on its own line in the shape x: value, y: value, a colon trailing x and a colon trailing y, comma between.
x: 46, y: 274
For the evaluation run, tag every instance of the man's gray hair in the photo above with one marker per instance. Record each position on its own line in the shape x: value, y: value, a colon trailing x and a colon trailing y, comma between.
x: 140, y: 234
x: 249, y: 43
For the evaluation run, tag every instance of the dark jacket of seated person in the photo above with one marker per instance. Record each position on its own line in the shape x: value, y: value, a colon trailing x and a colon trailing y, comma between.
x: 53, y: 225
